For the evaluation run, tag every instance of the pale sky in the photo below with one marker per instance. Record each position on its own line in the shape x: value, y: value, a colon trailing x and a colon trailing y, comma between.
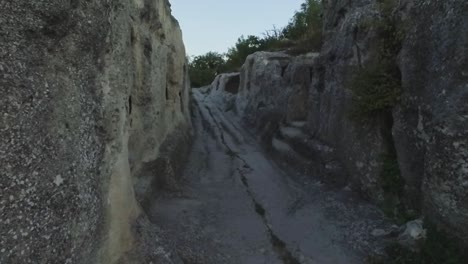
x: 215, y: 25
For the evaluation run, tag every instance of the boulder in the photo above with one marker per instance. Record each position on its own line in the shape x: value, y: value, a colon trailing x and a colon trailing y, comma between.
x: 413, y: 233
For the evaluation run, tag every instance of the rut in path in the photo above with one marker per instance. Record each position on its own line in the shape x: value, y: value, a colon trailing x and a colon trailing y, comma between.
x: 236, y: 205
x: 278, y: 245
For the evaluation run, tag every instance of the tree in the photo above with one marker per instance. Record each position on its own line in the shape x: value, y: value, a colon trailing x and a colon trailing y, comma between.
x: 210, y: 60
x: 243, y: 48
x: 204, y: 68
x: 306, y: 23
x: 301, y: 35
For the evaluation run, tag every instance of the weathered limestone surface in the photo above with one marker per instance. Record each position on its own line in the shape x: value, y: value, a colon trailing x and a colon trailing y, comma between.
x: 428, y: 129
x: 359, y: 145
x: 89, y: 92
x: 431, y: 123
x: 273, y: 88
x: 224, y: 90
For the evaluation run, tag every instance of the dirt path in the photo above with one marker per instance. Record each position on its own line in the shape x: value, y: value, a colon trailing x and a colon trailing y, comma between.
x: 238, y: 206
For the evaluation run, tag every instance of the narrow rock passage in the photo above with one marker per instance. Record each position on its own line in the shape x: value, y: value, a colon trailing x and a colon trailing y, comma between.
x: 235, y: 205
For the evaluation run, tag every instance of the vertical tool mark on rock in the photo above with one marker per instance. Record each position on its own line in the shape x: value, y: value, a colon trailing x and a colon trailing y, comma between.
x: 130, y: 105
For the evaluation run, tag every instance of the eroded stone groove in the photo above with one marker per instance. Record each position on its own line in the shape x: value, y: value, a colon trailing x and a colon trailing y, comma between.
x: 278, y: 245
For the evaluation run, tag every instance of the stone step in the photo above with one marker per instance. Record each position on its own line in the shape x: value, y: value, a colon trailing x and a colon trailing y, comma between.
x: 302, y: 144
x: 285, y: 148
x: 297, y: 124
x: 288, y: 133
x: 281, y: 146
x: 312, y: 155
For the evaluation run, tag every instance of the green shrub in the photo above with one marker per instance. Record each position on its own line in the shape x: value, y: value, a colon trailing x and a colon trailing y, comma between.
x: 376, y: 89
x: 244, y: 47
x: 305, y: 28
x: 305, y: 22
x: 302, y: 34
x: 310, y: 42
x: 274, y: 40
x: 377, y: 85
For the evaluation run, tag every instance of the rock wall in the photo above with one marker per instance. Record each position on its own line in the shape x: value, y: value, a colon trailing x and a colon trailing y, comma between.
x: 306, y: 102
x: 428, y: 127
x: 224, y: 90
x: 274, y: 88
x: 89, y: 92
x: 431, y: 123
x: 359, y: 145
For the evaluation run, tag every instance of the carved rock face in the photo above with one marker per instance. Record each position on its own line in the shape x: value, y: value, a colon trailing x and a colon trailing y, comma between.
x: 426, y: 131
x: 89, y: 91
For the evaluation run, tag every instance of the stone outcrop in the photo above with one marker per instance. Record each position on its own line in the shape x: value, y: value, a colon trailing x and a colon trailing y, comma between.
x: 94, y: 97
x: 273, y: 87
x: 304, y: 104
x: 224, y: 89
